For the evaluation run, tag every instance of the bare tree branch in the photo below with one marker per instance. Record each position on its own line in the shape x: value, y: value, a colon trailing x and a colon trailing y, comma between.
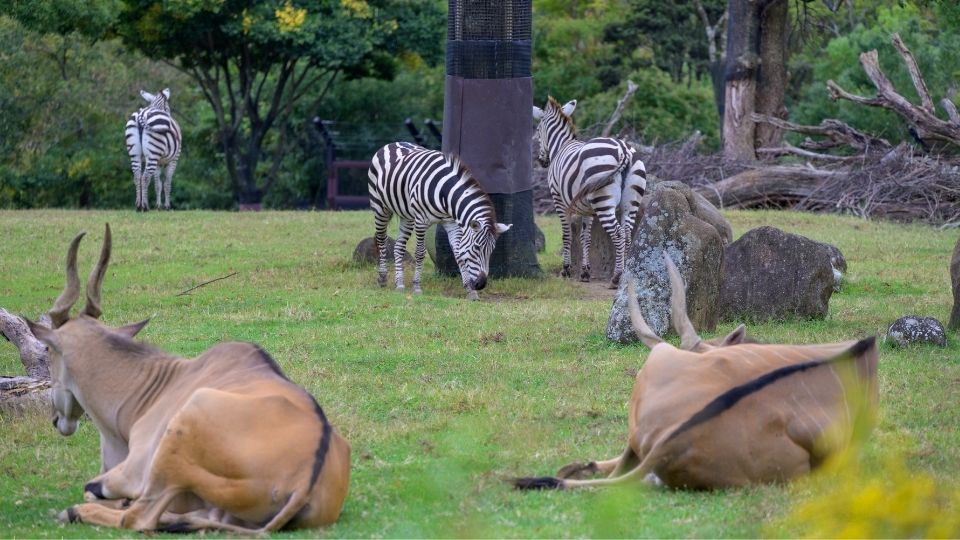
x: 618, y: 112
x: 925, y: 101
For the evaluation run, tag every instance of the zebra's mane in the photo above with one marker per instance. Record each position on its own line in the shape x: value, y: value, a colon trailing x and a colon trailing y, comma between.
x: 552, y: 103
x: 464, y: 172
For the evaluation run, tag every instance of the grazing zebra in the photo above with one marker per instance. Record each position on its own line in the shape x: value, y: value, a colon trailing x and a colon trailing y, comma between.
x: 587, y: 178
x: 424, y: 187
x: 153, y: 139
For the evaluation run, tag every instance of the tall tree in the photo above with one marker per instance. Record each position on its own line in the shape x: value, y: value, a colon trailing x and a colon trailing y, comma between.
x: 255, y: 60
x: 755, y: 75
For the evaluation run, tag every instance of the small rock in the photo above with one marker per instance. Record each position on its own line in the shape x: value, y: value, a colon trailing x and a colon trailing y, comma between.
x: 914, y: 329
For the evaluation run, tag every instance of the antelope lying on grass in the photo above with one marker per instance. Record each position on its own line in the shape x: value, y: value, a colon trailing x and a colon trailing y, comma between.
x: 224, y: 441
x: 728, y: 413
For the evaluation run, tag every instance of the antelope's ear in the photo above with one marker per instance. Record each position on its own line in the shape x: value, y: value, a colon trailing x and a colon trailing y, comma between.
x: 537, y: 113
x: 166, y: 93
x: 502, y: 227
x: 147, y: 95
x: 736, y: 337
x: 42, y: 332
x: 569, y: 107
x: 133, y: 329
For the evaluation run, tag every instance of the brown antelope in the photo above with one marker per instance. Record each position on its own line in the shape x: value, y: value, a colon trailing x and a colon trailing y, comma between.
x: 223, y: 441
x: 725, y: 413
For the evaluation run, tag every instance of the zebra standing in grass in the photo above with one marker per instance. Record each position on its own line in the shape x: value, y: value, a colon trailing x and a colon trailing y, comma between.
x: 423, y: 187
x: 153, y: 139
x: 588, y: 178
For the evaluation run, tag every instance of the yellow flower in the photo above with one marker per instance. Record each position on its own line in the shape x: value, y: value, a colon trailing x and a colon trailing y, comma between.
x: 290, y: 18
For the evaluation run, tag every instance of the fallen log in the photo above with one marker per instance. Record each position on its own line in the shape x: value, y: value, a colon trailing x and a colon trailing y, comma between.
x: 771, y: 187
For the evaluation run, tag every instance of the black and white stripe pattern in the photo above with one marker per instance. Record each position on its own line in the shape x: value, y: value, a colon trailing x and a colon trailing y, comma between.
x: 153, y: 141
x: 423, y: 187
x: 590, y: 178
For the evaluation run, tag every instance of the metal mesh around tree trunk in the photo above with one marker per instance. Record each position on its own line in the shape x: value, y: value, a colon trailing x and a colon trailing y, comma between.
x: 488, y: 97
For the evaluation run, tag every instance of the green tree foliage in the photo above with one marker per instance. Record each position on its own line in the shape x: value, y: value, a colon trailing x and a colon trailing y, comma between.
x: 254, y: 61
x: 63, y: 105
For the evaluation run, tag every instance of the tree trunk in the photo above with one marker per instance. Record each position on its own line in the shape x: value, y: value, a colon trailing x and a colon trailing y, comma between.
x: 772, y: 83
x: 740, y: 78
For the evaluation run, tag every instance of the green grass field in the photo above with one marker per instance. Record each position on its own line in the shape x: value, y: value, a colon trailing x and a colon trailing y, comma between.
x: 444, y: 399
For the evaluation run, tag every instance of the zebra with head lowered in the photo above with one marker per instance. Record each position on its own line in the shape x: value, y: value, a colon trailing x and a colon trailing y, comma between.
x: 589, y: 178
x: 423, y: 187
x: 153, y: 141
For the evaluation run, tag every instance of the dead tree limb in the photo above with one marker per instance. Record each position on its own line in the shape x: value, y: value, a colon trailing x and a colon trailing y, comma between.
x: 33, y: 353
x: 789, y: 149
x: 181, y: 293
x: 925, y: 101
x: 20, y: 393
x: 621, y: 105
x: 837, y: 133
x: 927, y: 125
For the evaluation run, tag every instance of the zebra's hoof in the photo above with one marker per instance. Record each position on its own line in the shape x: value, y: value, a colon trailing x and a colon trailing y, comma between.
x: 382, y: 282
x: 565, y: 272
x: 417, y: 290
x: 472, y: 295
x: 585, y: 276
x: 615, y: 282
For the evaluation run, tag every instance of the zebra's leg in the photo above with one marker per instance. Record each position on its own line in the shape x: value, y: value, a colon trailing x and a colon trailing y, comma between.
x: 149, y: 173
x: 135, y: 167
x: 608, y: 220
x: 566, y: 235
x: 168, y: 182
x: 158, y: 184
x: 453, y: 233
x: 420, y: 232
x: 380, y: 221
x: 585, y: 225
x: 144, y: 191
x: 400, y: 250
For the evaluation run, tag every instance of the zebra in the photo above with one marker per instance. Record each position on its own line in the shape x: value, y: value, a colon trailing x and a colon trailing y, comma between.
x: 153, y: 138
x: 589, y: 178
x: 423, y: 187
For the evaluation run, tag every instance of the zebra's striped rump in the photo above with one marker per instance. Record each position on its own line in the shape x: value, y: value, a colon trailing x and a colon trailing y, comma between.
x: 423, y: 187
x: 598, y: 177
x: 153, y: 141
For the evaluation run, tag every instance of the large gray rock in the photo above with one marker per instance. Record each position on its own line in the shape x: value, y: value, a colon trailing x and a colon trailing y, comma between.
x: 913, y: 329
x: 771, y: 274
x: 672, y: 219
x: 955, y: 280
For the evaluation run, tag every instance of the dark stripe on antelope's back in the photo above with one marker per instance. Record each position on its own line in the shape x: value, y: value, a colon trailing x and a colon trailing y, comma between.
x: 320, y: 456
x: 731, y: 397
x: 271, y: 363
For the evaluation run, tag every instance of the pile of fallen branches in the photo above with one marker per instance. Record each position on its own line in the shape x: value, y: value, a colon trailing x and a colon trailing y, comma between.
x: 897, y: 186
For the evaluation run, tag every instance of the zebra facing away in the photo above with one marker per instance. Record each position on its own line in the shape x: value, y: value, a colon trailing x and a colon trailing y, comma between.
x: 589, y: 178
x: 423, y: 187
x: 153, y: 141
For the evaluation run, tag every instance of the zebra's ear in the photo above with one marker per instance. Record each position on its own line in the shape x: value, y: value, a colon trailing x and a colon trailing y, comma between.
x: 569, y: 107
x: 147, y: 95
x: 537, y: 112
x: 166, y: 93
x: 502, y: 227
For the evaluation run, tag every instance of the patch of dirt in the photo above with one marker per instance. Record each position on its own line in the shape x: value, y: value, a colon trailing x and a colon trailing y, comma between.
x: 594, y: 290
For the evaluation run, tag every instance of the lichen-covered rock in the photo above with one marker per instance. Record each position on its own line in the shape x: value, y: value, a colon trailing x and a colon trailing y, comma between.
x: 671, y: 219
x: 955, y: 280
x: 366, y: 252
x: 771, y: 274
x: 913, y: 329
